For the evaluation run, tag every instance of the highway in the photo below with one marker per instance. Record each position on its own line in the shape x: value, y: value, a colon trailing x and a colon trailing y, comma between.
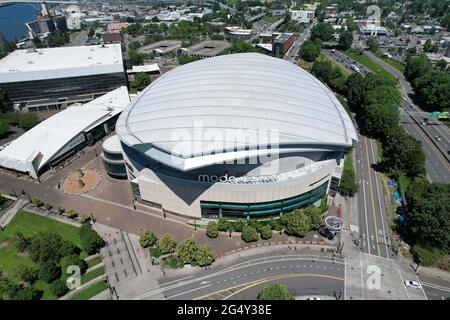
x: 437, y: 159
x: 302, y: 274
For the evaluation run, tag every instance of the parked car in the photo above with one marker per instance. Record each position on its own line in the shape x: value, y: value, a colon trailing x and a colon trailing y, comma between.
x: 437, y: 138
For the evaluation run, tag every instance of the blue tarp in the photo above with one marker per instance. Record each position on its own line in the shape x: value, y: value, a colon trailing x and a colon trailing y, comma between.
x: 392, y: 183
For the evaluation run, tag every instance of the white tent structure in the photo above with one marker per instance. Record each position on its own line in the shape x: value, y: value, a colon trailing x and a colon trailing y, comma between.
x: 60, y: 133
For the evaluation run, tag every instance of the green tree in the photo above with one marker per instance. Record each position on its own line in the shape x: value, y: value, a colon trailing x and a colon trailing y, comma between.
x: 315, y: 217
x: 4, y: 127
x: 332, y: 76
x: 21, y: 241
x: 402, y: 153
x: 49, y: 271
x: 275, y: 291
x: 5, y: 102
x: 309, y: 50
x: 345, y: 40
x: 296, y: 223
x: 167, y: 244
x: 73, y: 260
x: 445, y: 22
x: 266, y: 232
x: 187, y: 250
x: 322, y: 31
x: 28, y: 120
x: 425, y: 255
x: 430, y: 47
x: 212, y: 229
x: 441, y: 65
x: 355, y: 91
x: 249, y: 234
x: 429, y: 218
x: 372, y: 44
x: 433, y: 90
x: 239, y: 46
x: 45, y: 247
x: 378, y: 119
x: 147, y: 239
x: 204, y: 256
x: 141, y: 81
x: 91, y: 242
x: 27, y: 273
x: 25, y: 293
x: 348, y: 185
x: 417, y: 67
x: 384, y: 94
x: 59, y: 288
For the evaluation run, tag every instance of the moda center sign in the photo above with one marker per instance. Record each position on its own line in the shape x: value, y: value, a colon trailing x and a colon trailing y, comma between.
x: 233, y: 179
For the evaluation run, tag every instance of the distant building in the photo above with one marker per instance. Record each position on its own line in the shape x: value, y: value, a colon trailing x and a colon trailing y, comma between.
x: 46, y: 79
x: 331, y: 11
x: 236, y: 33
x: 282, y: 43
x: 372, y: 30
x: 112, y: 37
x: 217, y: 26
x: 207, y: 48
x: 160, y: 47
x: 47, y: 24
x: 117, y: 26
x: 302, y: 16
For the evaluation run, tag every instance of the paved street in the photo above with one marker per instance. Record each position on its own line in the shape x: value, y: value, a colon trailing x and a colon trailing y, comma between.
x: 313, y: 274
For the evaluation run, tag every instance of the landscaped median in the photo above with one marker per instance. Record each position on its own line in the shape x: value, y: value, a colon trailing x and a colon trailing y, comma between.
x: 374, y: 67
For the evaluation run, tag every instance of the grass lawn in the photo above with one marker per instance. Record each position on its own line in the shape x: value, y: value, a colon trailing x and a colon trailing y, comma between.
x: 94, y: 261
x: 30, y: 224
x: 375, y: 67
x: 91, y: 291
x: 92, y: 275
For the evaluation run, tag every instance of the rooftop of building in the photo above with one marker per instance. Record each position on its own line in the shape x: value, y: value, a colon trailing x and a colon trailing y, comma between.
x: 60, y: 58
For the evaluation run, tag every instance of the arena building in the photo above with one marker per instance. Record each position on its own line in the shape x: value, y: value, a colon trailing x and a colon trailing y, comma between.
x: 236, y: 136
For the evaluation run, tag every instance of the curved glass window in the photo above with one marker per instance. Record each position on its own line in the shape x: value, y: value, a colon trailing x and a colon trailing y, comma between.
x: 262, y: 209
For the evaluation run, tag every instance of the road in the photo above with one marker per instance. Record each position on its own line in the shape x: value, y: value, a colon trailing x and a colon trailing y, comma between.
x: 373, y: 227
x: 303, y: 275
x: 293, y: 52
x: 437, y: 159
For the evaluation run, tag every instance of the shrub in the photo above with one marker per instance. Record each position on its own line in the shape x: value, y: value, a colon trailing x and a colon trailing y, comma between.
x: 212, y: 230
x: 49, y: 272
x: 426, y: 256
x: 297, y: 223
x: 204, y: 256
x: 167, y: 244
x: 276, y: 224
x: 36, y: 202
x: 174, y: 262
x: 249, y: 234
x: 187, y: 250
x: 239, y: 225
x: 223, y: 225
x: 155, y: 252
x: 47, y: 206
x: 315, y: 217
x: 59, y: 288
x: 84, y: 218
x: 70, y: 213
x: 147, y: 239
x: 266, y: 232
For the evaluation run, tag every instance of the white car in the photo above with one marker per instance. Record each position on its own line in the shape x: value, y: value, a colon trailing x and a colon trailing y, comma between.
x: 437, y: 138
x: 412, y: 284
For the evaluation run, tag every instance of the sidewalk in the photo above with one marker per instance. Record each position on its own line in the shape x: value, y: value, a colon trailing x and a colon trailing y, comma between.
x: 11, y: 212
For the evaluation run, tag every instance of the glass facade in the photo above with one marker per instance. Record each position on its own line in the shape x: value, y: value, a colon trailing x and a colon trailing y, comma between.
x: 63, y: 87
x: 262, y: 209
x: 115, y: 169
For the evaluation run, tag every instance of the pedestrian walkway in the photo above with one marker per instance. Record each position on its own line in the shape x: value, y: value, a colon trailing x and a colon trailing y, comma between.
x: 11, y: 212
x: 128, y: 265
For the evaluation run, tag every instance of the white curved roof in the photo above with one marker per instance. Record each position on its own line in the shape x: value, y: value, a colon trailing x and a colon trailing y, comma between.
x: 192, y: 104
